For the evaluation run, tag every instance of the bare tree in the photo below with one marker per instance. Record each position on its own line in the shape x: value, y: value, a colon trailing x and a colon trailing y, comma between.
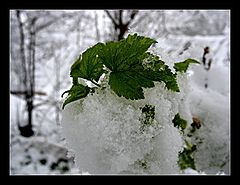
x: 121, y: 26
x: 28, y: 30
x: 28, y: 68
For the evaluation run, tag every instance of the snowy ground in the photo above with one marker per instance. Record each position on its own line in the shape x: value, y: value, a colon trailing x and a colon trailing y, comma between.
x: 44, y: 153
x: 211, y: 104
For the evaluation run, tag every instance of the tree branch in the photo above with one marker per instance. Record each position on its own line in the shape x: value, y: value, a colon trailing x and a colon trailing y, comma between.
x: 133, y: 14
x: 32, y: 53
x: 18, y: 93
x: 41, y: 27
x: 112, y: 19
x: 140, y: 19
x: 22, y: 50
x: 120, y: 17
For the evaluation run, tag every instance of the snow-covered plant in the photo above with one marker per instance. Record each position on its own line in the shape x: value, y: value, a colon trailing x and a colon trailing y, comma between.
x: 186, y: 159
x: 125, y: 120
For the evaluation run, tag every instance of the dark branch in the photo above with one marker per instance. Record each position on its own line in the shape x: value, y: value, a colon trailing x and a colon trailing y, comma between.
x: 19, y: 93
x: 22, y: 50
x: 49, y: 23
x: 140, y: 19
x: 132, y: 16
x: 120, y: 17
x: 112, y: 19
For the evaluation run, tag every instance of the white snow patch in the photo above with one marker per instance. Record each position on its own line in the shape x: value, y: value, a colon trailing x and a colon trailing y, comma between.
x: 103, y: 130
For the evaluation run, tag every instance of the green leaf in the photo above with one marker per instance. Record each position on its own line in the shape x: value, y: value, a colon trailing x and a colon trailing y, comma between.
x: 183, y: 66
x: 161, y: 72
x: 179, y: 122
x: 185, y: 159
x: 88, y: 66
x: 131, y: 68
x: 76, y: 92
x: 129, y: 84
x: 129, y: 72
x: 151, y: 61
x: 143, y: 163
x: 169, y: 79
x: 148, y: 112
x: 119, y: 56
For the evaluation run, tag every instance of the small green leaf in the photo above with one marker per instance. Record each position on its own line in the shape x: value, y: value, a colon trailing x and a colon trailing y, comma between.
x: 169, y: 79
x: 179, y: 122
x: 148, y: 112
x: 185, y: 158
x: 143, y: 163
x: 183, y: 66
x: 88, y: 66
x: 76, y: 92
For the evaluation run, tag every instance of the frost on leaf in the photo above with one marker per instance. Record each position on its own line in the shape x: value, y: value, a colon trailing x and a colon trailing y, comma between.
x: 183, y: 66
x: 161, y: 71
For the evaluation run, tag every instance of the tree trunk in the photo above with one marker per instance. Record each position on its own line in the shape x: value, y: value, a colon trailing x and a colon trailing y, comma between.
x: 27, y: 130
x: 119, y: 26
x: 29, y: 72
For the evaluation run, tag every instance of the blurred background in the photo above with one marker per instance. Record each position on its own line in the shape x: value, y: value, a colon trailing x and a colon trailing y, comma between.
x: 45, y: 43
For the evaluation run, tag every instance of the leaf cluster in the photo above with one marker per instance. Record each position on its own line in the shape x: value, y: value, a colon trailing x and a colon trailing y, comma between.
x: 130, y: 65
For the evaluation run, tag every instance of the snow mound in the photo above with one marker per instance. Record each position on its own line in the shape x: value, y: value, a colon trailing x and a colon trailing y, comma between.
x: 105, y: 133
x: 104, y: 130
x: 190, y: 171
x: 213, y: 149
